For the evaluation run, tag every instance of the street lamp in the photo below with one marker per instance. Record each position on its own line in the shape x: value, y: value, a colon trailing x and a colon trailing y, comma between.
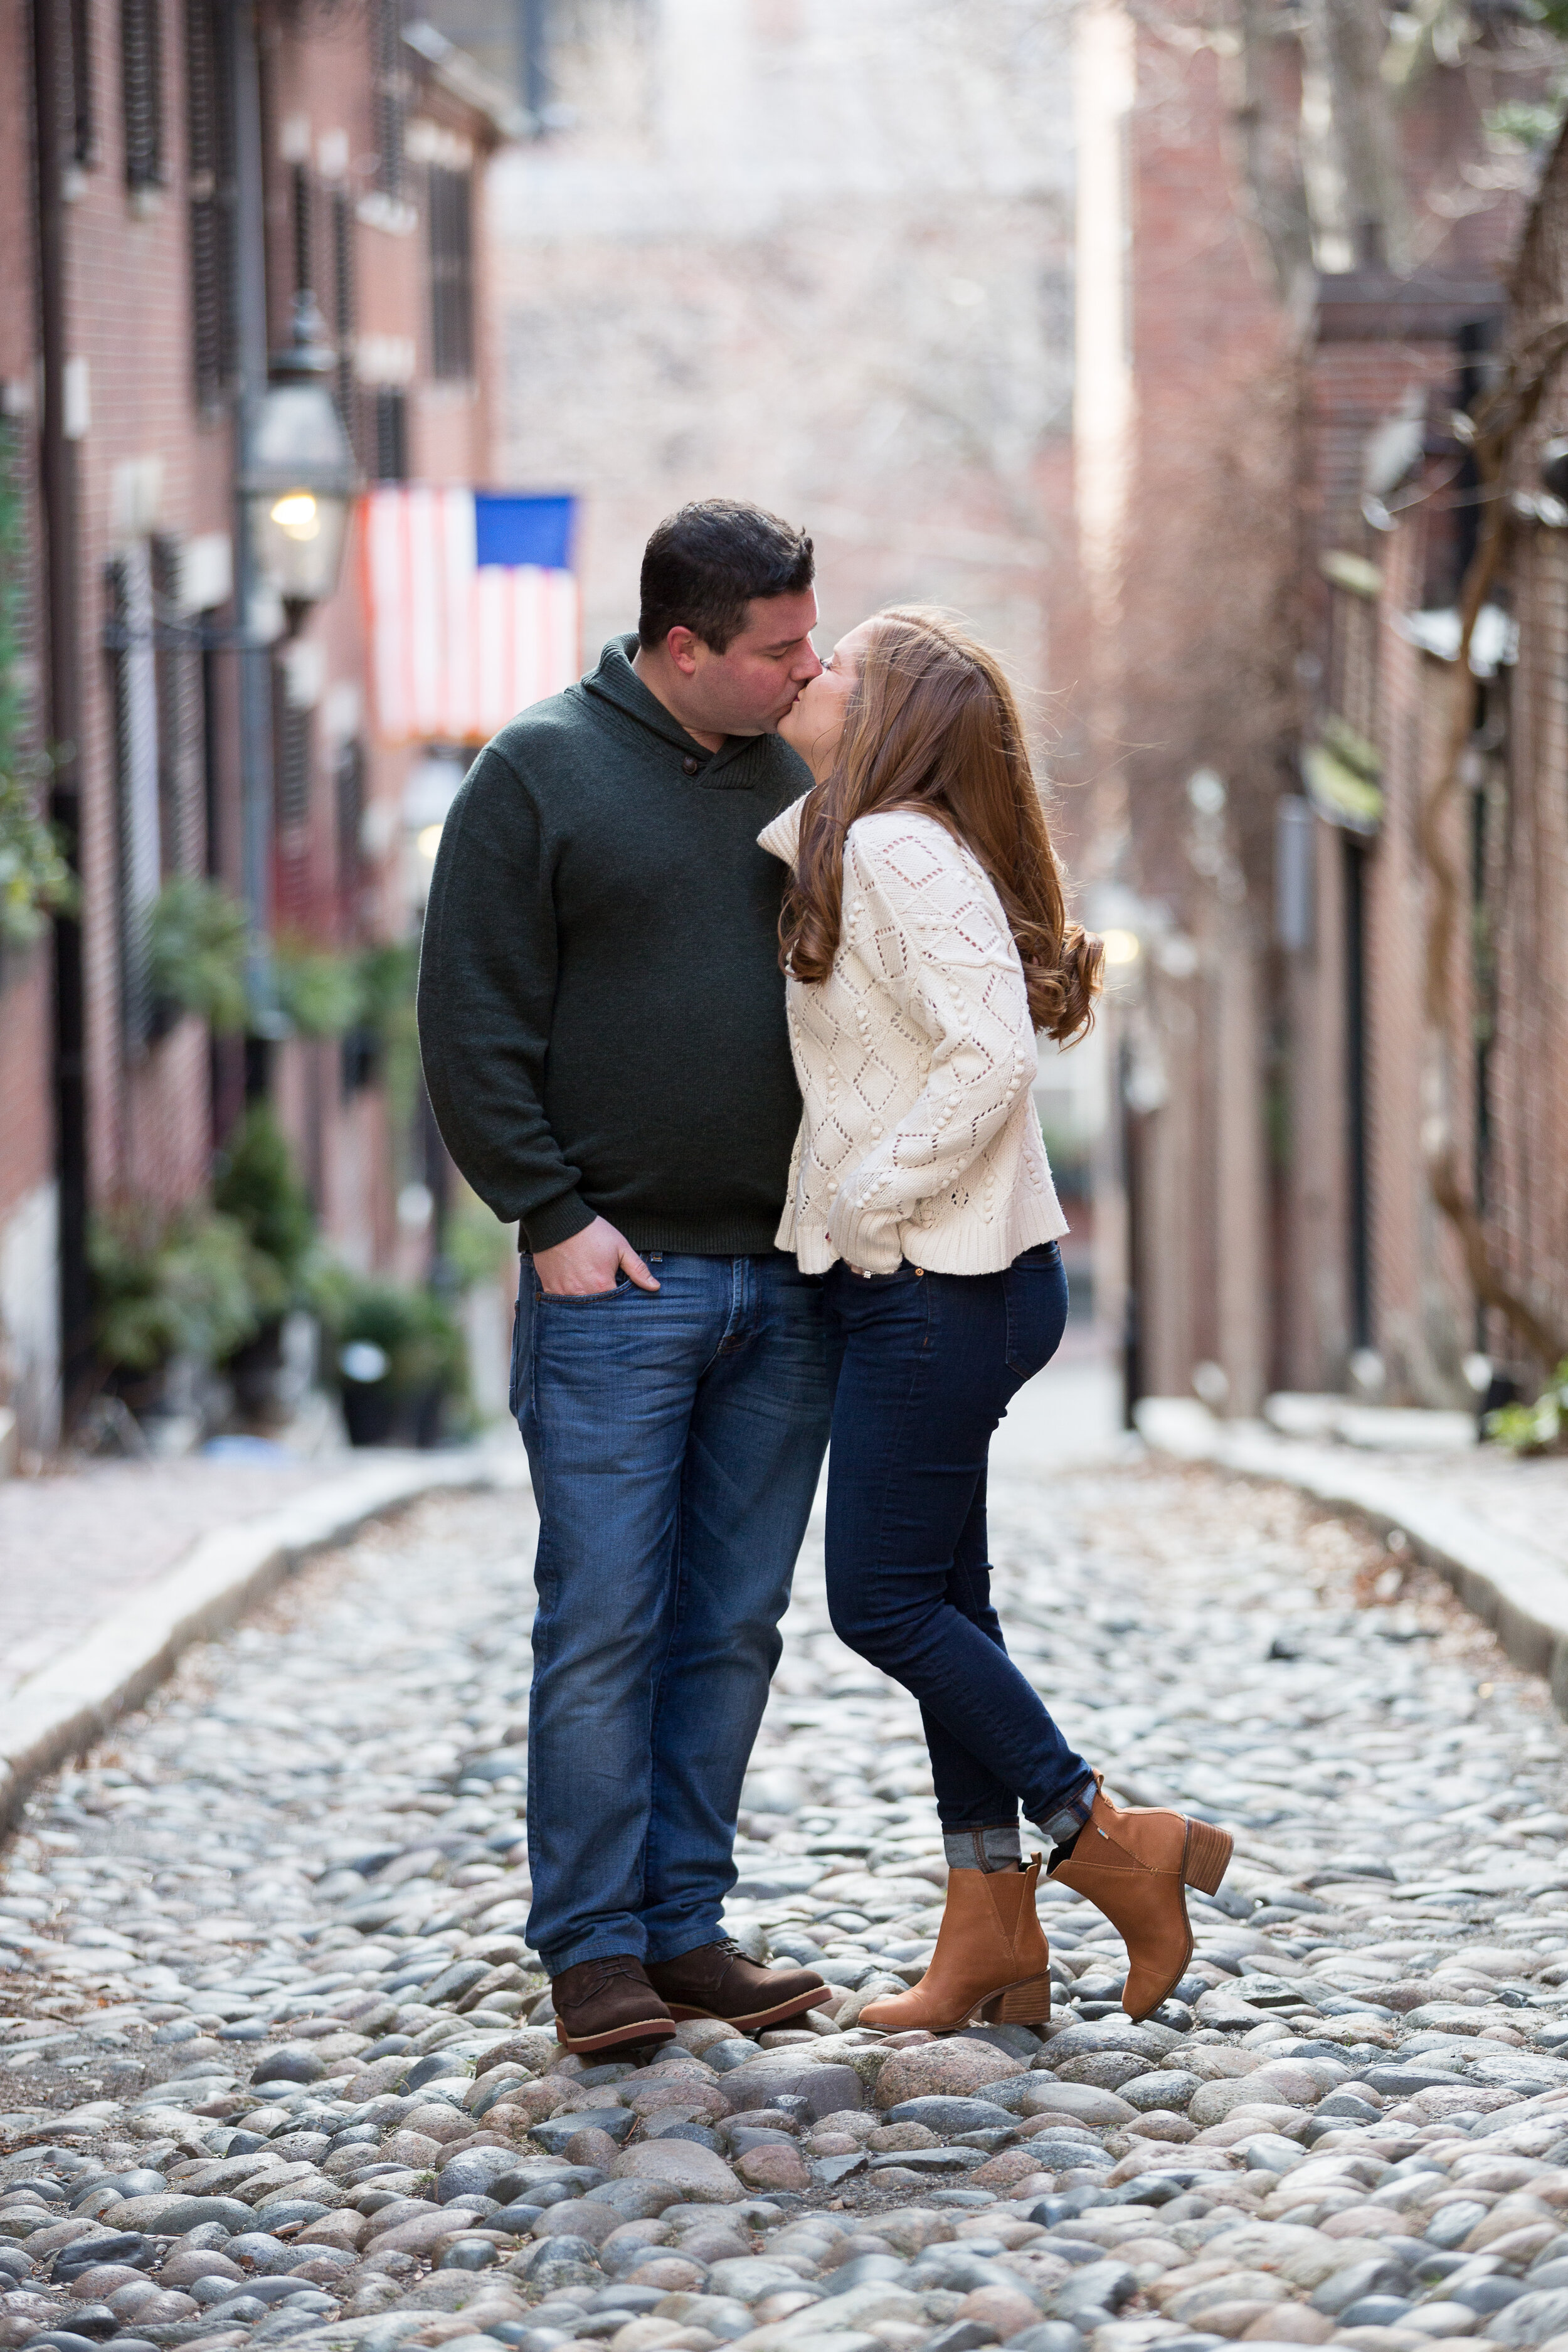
x: 300, y: 473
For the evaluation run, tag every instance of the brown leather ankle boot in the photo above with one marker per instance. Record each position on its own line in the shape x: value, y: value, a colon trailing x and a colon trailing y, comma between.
x: 992, y: 1965
x: 1135, y: 1864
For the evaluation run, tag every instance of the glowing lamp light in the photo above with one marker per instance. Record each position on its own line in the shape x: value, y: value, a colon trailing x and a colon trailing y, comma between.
x: 1121, y: 948
x: 428, y: 841
x: 300, y: 514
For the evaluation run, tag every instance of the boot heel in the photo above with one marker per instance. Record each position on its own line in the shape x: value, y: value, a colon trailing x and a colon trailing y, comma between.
x: 1207, y: 1857
x: 1028, y: 2004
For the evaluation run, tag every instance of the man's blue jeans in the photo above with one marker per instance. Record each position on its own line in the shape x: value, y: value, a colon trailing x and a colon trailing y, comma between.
x: 675, y: 1438
x: 925, y: 1366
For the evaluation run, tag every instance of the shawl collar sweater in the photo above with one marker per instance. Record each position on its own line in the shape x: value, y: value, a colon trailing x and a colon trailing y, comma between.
x: 915, y: 1057
x: 601, y: 1008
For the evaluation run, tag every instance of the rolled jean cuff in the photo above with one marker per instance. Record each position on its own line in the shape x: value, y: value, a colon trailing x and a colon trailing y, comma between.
x: 997, y: 1847
x: 1070, y: 1816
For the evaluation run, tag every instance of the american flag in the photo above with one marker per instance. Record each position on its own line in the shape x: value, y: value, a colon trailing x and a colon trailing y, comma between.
x: 474, y: 609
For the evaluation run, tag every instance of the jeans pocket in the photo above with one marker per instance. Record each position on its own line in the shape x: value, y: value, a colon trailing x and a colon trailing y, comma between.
x: 1035, y: 1287
x: 622, y: 1283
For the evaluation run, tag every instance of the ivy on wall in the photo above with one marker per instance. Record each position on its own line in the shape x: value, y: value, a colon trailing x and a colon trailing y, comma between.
x: 36, y: 879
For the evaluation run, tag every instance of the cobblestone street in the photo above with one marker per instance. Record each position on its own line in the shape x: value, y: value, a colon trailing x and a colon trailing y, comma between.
x: 277, y: 2062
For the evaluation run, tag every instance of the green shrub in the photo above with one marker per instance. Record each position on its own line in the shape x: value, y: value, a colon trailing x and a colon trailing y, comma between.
x: 478, y: 1245
x: 169, y: 1283
x: 197, y: 949
x: 387, y: 979
x: 35, y: 880
x: 257, y: 1187
x: 414, y: 1330
x: 1538, y: 1428
x: 319, y: 992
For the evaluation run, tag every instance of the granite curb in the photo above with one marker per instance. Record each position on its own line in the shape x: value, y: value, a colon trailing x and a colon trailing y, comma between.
x: 1518, y: 1589
x: 60, y: 1710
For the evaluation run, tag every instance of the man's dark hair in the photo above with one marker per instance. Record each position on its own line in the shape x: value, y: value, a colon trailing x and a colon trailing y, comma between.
x: 704, y: 564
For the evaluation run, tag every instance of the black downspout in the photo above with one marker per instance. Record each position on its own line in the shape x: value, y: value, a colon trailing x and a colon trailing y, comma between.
x: 1130, y: 1140
x: 256, y: 751
x: 57, y: 468
x: 1355, y: 1091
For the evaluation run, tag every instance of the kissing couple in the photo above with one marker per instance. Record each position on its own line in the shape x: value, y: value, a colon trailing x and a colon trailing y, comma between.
x: 733, y: 968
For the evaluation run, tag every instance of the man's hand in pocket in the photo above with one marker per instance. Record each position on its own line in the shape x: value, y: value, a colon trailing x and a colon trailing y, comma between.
x: 589, y: 1261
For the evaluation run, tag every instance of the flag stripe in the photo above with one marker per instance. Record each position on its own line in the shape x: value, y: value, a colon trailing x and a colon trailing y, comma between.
x: 457, y: 648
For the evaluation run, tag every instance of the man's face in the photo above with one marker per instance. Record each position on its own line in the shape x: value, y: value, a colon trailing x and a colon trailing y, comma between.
x: 747, y: 688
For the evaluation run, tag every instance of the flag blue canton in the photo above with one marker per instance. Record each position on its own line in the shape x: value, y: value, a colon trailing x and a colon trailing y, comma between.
x: 516, y: 530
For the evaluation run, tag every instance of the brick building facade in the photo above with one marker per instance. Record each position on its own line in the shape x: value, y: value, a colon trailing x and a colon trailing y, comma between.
x: 1270, y: 702
x: 1517, y: 812
x: 192, y: 156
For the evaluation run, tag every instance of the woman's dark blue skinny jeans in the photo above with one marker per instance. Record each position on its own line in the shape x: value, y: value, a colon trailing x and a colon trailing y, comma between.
x: 926, y: 1365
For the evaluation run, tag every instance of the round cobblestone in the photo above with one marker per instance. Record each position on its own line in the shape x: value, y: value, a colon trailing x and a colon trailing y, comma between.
x: 277, y: 2062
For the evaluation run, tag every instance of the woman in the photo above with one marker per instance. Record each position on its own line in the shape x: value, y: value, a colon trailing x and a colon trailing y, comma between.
x: 926, y: 940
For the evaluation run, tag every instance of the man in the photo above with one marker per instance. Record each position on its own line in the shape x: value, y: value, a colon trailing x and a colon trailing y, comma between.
x: 602, y: 1020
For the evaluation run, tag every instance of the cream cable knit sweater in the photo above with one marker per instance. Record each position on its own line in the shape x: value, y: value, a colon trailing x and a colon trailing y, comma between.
x: 915, y: 1058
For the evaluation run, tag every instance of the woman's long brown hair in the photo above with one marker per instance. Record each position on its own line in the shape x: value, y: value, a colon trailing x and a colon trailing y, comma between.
x: 931, y: 725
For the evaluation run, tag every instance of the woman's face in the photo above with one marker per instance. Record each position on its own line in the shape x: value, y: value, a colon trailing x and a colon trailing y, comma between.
x: 814, y: 721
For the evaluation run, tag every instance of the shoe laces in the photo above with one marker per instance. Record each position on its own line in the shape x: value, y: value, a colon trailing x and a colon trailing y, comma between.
x: 609, y: 1969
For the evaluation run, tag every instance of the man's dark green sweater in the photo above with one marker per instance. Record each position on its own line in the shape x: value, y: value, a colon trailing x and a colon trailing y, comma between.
x: 601, y: 1008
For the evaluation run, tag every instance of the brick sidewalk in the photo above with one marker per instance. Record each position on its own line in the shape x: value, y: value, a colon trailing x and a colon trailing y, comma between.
x: 1525, y: 1499
x: 75, y: 1544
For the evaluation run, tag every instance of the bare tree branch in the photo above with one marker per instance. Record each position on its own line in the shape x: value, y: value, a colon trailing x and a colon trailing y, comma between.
x: 1501, y: 418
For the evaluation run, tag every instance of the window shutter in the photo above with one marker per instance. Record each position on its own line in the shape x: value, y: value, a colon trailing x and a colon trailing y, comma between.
x: 141, y: 90
x: 389, y: 88
x: 293, y: 737
x: 348, y: 787
x: 83, y: 133
x: 208, y: 65
x: 450, y: 231
x: 293, y: 768
x: 390, y: 454
x: 360, y: 1058
x: 341, y: 226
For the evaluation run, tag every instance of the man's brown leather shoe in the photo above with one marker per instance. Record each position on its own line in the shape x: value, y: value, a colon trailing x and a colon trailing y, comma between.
x: 1136, y: 1862
x: 719, y: 1980
x: 608, y: 2005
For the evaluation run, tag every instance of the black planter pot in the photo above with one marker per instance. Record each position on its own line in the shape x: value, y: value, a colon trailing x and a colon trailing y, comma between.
x: 370, y: 1411
x: 254, y: 1371
x: 423, y: 1414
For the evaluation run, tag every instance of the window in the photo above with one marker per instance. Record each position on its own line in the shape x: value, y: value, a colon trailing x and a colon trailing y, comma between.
x: 159, y: 681
x: 136, y: 778
x: 208, y: 66
x: 83, y: 130
x: 142, y: 91
x: 450, y: 213
x: 389, y: 91
x: 179, y: 687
